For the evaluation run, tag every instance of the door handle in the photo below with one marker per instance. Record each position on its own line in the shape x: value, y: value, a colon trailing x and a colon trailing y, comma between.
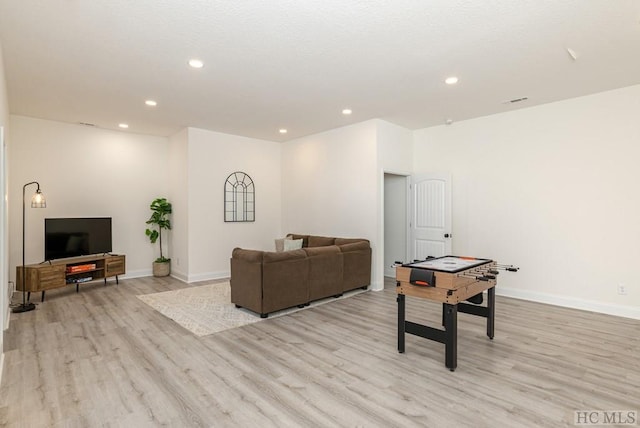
x: 448, y: 235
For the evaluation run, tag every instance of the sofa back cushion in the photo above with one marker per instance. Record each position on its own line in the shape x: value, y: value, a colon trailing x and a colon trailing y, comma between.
x: 272, y: 257
x: 250, y: 256
x: 322, y: 251
x: 342, y: 241
x: 320, y: 241
x: 355, y: 246
x: 285, y: 280
x: 325, y: 271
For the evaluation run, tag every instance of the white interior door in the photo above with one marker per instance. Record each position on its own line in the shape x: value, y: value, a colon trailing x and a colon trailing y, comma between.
x: 430, y: 227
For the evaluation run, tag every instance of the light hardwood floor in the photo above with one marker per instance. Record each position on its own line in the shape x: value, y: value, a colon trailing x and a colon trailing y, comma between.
x: 103, y: 358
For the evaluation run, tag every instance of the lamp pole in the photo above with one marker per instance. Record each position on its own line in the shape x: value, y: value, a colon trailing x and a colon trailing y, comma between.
x: 37, y: 201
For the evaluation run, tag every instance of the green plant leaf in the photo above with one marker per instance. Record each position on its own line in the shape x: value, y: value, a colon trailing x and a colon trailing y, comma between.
x: 161, y: 208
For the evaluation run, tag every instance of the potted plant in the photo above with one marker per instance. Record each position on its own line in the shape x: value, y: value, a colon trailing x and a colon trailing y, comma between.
x: 160, y: 219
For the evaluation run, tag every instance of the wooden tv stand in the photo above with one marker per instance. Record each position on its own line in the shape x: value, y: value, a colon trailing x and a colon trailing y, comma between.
x: 58, y: 273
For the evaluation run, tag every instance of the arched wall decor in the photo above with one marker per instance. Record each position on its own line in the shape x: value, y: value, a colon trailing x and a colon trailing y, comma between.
x: 239, y: 198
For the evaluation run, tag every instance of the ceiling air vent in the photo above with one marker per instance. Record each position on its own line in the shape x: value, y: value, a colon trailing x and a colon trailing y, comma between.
x: 86, y: 124
x: 515, y: 100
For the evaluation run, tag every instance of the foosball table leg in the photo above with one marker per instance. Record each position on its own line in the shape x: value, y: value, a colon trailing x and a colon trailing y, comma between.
x: 451, y: 335
x: 491, y: 311
x: 401, y: 324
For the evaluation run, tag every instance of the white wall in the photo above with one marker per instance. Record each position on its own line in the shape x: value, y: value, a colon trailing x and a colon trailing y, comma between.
x: 4, y: 218
x: 395, y: 148
x: 212, y: 156
x: 395, y: 155
x: 553, y: 189
x: 86, y: 172
x: 179, y: 197
x: 330, y: 185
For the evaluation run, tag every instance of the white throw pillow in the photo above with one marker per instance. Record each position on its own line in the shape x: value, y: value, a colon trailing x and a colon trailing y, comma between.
x: 280, y: 244
x: 292, y: 244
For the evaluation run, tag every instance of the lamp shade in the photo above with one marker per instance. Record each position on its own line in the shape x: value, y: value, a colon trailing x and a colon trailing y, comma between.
x: 38, y: 200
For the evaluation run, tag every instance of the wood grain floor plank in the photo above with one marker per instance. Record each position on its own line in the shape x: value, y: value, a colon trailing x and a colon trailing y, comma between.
x: 103, y: 358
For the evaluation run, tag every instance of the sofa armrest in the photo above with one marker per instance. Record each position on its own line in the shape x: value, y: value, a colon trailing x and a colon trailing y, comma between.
x: 246, y: 279
x: 357, y: 265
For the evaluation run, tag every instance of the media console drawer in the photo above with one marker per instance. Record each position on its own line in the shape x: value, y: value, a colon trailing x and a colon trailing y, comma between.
x: 115, y: 265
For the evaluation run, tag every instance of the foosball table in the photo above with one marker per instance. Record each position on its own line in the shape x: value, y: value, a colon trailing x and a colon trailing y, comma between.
x: 452, y: 281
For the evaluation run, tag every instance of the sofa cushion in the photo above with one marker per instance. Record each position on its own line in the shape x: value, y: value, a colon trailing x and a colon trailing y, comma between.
x: 325, y: 271
x: 342, y: 241
x: 285, y: 280
x: 354, y: 246
x: 272, y: 257
x: 320, y: 241
x: 292, y: 244
x: 251, y: 256
x: 322, y: 251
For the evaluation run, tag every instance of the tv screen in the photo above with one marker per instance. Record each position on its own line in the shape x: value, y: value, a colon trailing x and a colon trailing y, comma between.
x: 71, y: 237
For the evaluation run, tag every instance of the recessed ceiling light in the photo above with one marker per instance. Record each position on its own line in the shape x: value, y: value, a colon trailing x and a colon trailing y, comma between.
x: 572, y: 54
x: 451, y: 80
x: 196, y: 63
x: 347, y: 111
x: 123, y: 125
x: 282, y: 131
x: 151, y: 103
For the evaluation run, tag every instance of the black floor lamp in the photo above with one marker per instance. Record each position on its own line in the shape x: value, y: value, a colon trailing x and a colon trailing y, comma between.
x: 37, y: 201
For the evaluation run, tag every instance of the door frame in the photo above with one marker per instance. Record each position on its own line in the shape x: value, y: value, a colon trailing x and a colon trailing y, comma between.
x: 407, y: 217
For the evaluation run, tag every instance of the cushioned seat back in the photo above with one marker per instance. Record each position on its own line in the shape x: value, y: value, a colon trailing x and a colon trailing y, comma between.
x: 357, y: 265
x: 325, y: 271
x: 284, y: 278
x: 342, y: 241
x: 320, y: 241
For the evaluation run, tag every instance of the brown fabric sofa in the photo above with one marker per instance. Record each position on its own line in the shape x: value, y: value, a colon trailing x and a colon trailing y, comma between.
x: 265, y: 281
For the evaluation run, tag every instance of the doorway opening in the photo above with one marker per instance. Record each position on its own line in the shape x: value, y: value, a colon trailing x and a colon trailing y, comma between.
x: 396, y: 223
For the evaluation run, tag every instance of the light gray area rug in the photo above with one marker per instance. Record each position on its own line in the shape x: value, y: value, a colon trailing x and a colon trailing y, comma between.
x: 207, y: 309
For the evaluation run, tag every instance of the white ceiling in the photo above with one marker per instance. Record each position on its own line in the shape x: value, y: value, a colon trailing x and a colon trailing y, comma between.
x: 296, y: 64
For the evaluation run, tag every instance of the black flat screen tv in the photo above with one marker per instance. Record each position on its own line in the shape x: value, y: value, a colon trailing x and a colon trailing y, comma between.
x: 72, y: 237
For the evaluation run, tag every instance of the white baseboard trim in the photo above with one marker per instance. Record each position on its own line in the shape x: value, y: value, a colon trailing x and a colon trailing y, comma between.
x: 1, y: 365
x: 208, y: 276
x: 140, y: 273
x: 7, y: 318
x: 571, y: 302
x: 180, y: 276
x: 378, y: 286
